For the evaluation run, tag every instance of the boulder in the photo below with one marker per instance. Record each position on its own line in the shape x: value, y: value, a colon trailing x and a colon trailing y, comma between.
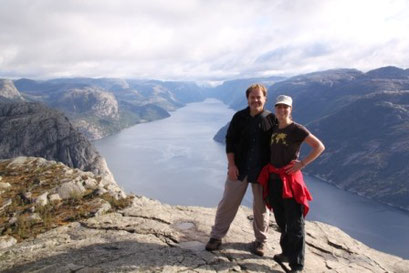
x: 42, y: 199
x: 7, y: 241
x: 4, y: 186
x: 70, y: 190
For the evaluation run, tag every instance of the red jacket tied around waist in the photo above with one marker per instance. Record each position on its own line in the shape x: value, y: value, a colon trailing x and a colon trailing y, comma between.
x: 293, y: 185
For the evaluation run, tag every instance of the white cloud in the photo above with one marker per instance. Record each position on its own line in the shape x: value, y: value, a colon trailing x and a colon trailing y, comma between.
x: 199, y: 39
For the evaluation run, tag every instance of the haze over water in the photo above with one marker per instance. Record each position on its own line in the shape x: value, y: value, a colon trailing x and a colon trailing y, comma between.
x: 176, y: 161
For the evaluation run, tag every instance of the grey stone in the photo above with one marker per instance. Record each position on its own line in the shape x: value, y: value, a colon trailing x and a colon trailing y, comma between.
x: 13, y: 220
x: 27, y: 195
x: 70, y: 190
x: 42, y: 199
x: 8, y: 92
x: 101, y: 206
x: 5, y: 204
x: 115, y: 191
x: 54, y: 197
x: 35, y: 217
x: 153, y: 237
x: 7, y: 241
x: 101, y: 190
x: 4, y: 186
x: 90, y: 183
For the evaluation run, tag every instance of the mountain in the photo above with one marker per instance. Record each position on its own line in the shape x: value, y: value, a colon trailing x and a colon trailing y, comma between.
x: 101, y: 107
x: 32, y: 129
x: 321, y: 93
x: 53, y: 228
x: 220, y: 136
x: 93, y: 111
x: 232, y: 92
x: 166, y: 94
x: 367, y: 147
x: 86, y: 101
x: 389, y: 72
x: 362, y: 119
x: 104, y: 83
x: 8, y: 92
x: 313, y: 91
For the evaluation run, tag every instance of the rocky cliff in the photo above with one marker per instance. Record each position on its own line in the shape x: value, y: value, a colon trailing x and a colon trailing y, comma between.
x: 88, y: 101
x: 8, y: 92
x: 32, y: 129
x: 93, y: 111
x: 85, y: 231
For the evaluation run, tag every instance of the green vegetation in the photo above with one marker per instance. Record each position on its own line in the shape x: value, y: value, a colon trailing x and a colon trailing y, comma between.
x: 22, y: 218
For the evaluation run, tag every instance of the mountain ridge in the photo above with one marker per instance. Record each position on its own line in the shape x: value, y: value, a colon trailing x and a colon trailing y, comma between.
x: 135, y: 101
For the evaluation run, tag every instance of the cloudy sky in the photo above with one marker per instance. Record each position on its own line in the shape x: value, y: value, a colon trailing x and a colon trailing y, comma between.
x: 199, y: 39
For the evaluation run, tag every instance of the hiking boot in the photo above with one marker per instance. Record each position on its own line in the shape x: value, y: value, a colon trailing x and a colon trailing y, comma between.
x: 258, y: 248
x: 281, y: 258
x: 213, y: 244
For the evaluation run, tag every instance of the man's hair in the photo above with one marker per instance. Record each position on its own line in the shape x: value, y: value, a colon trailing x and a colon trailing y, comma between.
x: 256, y: 86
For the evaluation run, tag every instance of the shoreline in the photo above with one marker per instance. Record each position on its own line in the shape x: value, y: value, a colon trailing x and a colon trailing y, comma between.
x: 405, y: 210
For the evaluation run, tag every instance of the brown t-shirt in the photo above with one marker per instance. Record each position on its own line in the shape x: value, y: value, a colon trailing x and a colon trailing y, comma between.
x: 285, y: 144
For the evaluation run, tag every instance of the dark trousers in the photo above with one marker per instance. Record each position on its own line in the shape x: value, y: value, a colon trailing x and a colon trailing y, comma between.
x: 289, y: 217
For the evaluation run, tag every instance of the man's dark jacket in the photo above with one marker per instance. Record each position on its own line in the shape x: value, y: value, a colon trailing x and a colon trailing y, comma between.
x: 239, y: 134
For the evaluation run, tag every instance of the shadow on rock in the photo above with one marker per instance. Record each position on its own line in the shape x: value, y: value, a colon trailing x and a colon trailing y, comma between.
x: 131, y: 256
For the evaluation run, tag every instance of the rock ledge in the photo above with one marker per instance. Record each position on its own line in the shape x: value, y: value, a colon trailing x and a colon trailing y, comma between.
x: 149, y: 236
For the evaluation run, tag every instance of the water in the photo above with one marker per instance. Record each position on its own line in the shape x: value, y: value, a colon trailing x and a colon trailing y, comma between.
x: 376, y: 225
x: 176, y: 161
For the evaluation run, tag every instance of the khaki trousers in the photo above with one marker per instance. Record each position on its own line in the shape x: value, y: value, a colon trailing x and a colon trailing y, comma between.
x: 234, y: 191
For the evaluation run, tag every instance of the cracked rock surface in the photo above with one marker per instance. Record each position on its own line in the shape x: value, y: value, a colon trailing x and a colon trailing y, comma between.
x: 150, y: 236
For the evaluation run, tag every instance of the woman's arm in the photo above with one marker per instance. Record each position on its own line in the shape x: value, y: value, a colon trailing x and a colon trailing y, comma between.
x: 317, y: 149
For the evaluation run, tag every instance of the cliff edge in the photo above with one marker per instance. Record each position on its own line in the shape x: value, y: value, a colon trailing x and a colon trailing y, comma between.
x: 148, y: 236
x: 33, y: 129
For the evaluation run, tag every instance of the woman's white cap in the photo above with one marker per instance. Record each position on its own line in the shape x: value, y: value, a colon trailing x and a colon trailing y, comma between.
x: 283, y: 99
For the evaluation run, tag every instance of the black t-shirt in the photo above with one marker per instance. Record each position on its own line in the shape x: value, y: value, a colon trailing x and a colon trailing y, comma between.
x: 285, y: 144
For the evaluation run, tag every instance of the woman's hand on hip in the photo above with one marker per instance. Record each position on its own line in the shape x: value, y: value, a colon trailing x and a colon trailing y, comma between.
x: 294, y: 166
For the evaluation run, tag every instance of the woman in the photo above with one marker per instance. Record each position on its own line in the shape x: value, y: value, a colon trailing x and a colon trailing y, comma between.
x: 284, y: 188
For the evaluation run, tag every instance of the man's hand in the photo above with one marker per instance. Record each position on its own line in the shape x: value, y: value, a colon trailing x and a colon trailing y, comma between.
x: 233, y: 172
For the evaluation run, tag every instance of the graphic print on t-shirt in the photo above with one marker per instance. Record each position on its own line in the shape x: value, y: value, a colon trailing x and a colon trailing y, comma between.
x: 279, y: 138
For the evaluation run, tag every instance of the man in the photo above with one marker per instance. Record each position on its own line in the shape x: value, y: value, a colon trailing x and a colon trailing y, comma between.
x: 247, y: 148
